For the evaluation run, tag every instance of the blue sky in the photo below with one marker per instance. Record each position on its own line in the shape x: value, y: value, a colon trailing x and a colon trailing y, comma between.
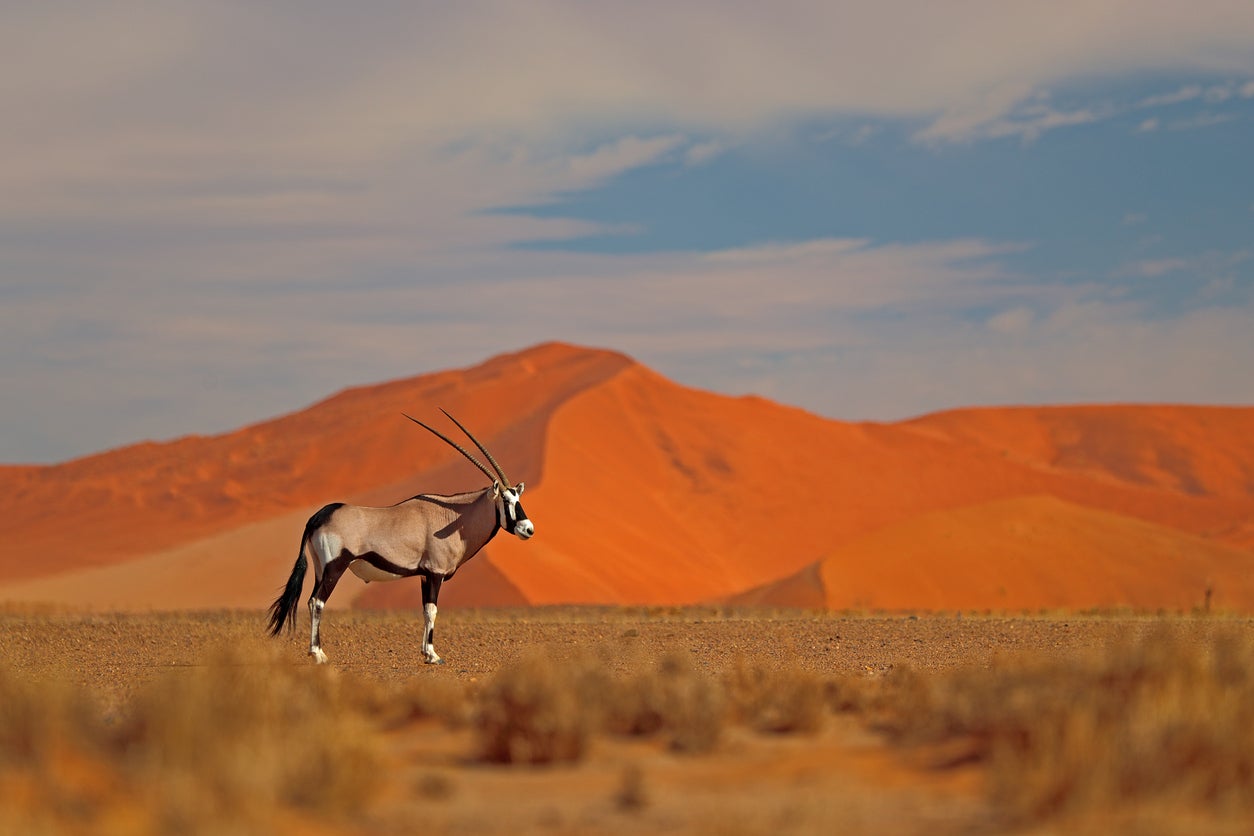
x: 213, y: 214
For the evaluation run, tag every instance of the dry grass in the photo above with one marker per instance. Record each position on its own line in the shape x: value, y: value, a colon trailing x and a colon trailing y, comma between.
x: 221, y: 746
x: 541, y: 711
x: 780, y: 702
x: 534, y: 712
x: 1166, y: 719
x: 255, y: 740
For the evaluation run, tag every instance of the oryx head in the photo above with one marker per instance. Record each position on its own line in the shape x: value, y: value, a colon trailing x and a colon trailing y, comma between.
x: 509, y: 510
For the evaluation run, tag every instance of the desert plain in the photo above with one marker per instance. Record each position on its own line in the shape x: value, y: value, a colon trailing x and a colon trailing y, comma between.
x: 735, y: 617
x: 629, y: 720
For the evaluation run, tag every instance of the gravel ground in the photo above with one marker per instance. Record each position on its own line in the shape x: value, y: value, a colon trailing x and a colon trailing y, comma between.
x: 114, y: 654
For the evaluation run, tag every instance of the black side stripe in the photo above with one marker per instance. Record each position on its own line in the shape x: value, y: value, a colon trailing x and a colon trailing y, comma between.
x: 379, y: 562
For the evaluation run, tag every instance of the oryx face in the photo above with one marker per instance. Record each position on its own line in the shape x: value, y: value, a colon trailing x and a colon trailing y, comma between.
x: 513, y: 517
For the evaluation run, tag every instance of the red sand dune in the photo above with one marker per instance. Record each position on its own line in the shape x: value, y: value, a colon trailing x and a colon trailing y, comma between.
x: 1028, y: 553
x: 644, y: 491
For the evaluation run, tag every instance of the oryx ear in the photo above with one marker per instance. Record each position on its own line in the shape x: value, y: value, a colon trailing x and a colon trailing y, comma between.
x: 496, y: 489
x: 518, y: 489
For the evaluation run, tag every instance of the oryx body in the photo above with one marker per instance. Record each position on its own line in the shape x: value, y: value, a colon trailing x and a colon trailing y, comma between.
x: 429, y: 536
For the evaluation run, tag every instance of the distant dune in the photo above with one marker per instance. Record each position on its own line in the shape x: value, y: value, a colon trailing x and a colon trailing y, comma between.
x: 647, y: 492
x: 1026, y: 553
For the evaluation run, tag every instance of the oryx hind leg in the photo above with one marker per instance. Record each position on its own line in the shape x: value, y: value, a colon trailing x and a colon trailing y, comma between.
x: 328, y: 578
x: 430, y: 594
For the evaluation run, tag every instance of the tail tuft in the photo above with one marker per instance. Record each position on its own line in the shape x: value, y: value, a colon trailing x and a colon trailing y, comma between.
x: 284, y: 607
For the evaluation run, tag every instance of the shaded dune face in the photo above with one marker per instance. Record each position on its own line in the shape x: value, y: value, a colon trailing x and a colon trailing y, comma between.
x: 647, y: 492
x: 1026, y: 553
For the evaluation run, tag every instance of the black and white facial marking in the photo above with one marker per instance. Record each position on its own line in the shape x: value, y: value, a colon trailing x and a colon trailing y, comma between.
x: 513, y: 517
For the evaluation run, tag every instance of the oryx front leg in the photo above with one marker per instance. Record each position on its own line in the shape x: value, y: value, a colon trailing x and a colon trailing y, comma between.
x: 430, y: 594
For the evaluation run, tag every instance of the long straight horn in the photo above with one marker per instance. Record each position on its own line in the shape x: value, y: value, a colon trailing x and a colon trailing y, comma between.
x: 482, y: 449
x: 455, y: 446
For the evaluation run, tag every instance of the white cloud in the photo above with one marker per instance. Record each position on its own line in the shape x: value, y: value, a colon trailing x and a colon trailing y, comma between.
x: 702, y: 152
x: 1153, y: 268
x: 818, y: 249
x: 1218, y: 93
x: 1011, y: 321
x: 1197, y: 266
x: 1008, y: 111
x: 1202, y: 120
x: 619, y: 156
x: 1184, y: 94
x: 970, y: 119
x: 1148, y: 126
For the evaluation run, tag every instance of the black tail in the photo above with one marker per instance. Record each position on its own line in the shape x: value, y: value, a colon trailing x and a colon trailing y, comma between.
x: 284, y: 607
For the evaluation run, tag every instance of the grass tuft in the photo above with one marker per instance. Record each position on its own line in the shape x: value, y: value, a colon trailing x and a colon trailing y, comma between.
x: 1167, y: 718
x: 671, y: 698
x: 779, y: 702
x: 533, y: 713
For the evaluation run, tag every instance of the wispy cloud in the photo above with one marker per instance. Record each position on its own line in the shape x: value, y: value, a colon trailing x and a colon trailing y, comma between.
x: 1202, y: 120
x: 702, y: 152
x: 1152, y: 268
x: 1012, y: 321
x: 1200, y: 266
x: 621, y: 155
x: 1184, y: 94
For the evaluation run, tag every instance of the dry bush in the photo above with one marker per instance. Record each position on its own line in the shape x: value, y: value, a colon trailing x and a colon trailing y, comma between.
x: 247, y: 733
x: 53, y: 748
x: 40, y: 718
x: 215, y: 748
x: 535, y: 712
x: 672, y: 698
x: 421, y: 698
x: 1168, y: 718
x: 777, y: 701
x: 541, y: 711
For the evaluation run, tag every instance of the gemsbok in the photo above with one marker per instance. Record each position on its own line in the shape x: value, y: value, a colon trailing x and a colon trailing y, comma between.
x: 428, y: 535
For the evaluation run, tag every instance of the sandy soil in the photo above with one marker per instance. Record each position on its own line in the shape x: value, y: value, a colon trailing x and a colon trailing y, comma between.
x: 842, y: 779
x: 113, y: 653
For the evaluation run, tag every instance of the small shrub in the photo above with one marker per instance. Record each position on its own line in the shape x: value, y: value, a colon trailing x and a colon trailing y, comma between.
x: 533, y: 713
x: 1168, y: 719
x: 671, y: 698
x: 247, y: 731
x: 216, y: 748
x: 425, y: 698
x: 779, y: 702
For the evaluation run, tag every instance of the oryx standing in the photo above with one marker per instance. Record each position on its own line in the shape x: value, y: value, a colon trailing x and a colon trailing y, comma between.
x: 428, y: 535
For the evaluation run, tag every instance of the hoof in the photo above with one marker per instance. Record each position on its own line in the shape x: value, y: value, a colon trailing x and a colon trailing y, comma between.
x: 318, y: 656
x: 436, y: 661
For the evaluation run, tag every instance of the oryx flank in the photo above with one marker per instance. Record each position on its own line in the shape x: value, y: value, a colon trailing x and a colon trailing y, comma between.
x: 427, y: 535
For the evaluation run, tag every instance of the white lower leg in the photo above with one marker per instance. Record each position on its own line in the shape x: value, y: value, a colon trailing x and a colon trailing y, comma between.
x: 315, y: 615
x: 428, y: 636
